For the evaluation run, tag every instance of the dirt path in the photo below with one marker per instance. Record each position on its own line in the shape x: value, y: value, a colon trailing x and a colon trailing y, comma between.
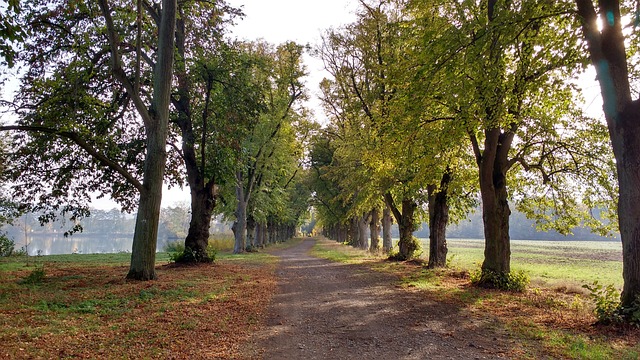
x: 327, y: 310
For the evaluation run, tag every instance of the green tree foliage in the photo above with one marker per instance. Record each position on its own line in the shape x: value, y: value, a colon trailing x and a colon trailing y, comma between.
x: 11, y: 33
x: 266, y: 152
x: 506, y: 70
x: 213, y: 89
x: 425, y: 91
x: 395, y: 139
x: 91, y: 111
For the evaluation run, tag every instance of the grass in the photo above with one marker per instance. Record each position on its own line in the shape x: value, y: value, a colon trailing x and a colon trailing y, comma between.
x: 82, y: 307
x: 345, y: 254
x: 552, y: 319
x: 550, y: 263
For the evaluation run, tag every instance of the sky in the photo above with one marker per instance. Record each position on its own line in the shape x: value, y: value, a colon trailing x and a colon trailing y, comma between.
x: 279, y: 21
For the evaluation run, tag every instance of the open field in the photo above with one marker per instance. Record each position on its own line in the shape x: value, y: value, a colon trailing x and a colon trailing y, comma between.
x: 551, y: 263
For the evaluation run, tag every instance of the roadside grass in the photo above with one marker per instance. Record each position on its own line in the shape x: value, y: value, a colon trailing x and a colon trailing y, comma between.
x: 335, y: 251
x: 552, y: 319
x: 82, y: 307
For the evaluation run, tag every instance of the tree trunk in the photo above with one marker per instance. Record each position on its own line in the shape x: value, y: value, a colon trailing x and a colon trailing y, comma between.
x: 251, y: 232
x: 407, y: 244
x: 374, y: 229
x: 260, y: 235
x: 387, y: 221
x: 363, y: 236
x: 271, y: 232
x: 438, y: 220
x: 198, y: 236
x: 203, y: 195
x: 626, y: 145
x: 239, y: 227
x: 353, y: 232
x: 495, y: 209
x: 608, y: 56
x: 143, y: 252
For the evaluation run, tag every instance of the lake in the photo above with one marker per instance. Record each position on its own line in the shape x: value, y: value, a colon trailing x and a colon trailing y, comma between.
x: 56, y: 244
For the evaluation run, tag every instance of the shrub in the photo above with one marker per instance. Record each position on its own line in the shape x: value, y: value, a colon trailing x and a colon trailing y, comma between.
x: 414, y: 249
x: 516, y: 281
x: 632, y: 314
x: 7, y: 245
x: 607, y: 302
x: 251, y: 248
x: 176, y: 246
x: 191, y: 256
x: 608, y: 309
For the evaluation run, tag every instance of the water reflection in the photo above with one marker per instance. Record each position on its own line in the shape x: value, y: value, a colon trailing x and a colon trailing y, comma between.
x: 54, y: 244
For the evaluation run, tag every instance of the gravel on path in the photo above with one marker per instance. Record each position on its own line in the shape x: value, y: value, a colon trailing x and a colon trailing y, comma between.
x: 331, y: 310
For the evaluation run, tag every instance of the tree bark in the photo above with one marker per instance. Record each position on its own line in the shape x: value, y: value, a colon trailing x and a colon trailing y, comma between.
x: 438, y: 220
x: 251, y: 232
x: 407, y: 245
x: 352, y: 237
x: 495, y: 207
x: 363, y: 239
x: 203, y: 195
x: 387, y: 221
x: 608, y: 56
x: 239, y: 227
x: 143, y: 252
x: 374, y: 229
x: 198, y: 236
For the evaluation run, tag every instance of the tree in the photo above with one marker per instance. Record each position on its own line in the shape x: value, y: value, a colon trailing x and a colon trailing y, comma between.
x: 156, y: 121
x: 84, y: 85
x: 506, y: 67
x: 209, y: 73
x: 10, y: 32
x: 357, y: 99
x: 269, y: 132
x: 607, y: 50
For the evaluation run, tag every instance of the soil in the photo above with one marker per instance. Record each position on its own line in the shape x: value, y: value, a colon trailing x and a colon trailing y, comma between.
x: 329, y: 310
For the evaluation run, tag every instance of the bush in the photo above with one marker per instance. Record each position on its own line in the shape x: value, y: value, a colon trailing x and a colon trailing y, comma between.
x: 607, y: 302
x: 7, y: 245
x: 632, y: 314
x: 516, y: 281
x: 414, y: 249
x: 608, y: 309
x: 176, y: 246
x: 191, y: 256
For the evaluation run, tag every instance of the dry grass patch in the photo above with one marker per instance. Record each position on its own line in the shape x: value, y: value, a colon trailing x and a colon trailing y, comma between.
x: 196, y: 312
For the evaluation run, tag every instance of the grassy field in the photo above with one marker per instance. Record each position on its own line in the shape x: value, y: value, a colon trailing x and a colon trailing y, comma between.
x: 549, y: 263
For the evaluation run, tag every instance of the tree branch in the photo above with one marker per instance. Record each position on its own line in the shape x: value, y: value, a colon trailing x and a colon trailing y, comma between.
x: 116, y: 64
x: 78, y: 140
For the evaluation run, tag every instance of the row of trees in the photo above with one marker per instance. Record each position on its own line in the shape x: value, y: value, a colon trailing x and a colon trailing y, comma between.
x: 114, y: 100
x: 435, y: 105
